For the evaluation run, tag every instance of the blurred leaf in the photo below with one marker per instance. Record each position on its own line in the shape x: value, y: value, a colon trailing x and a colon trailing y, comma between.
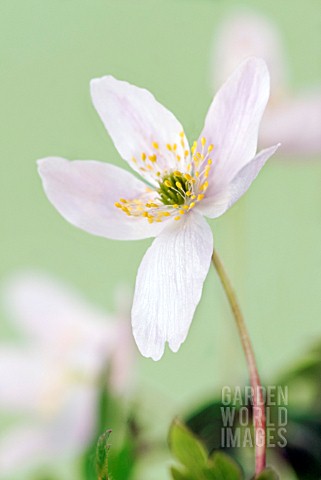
x: 178, y: 475
x: 206, y: 423
x: 268, y: 474
x: 303, y: 445
x: 225, y: 468
x: 187, y: 448
x: 102, y: 456
x: 122, y: 461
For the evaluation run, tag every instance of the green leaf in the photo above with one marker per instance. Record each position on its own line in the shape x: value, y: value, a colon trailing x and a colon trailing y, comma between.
x: 187, y: 448
x: 224, y: 468
x: 179, y: 475
x: 268, y: 474
x: 102, y: 456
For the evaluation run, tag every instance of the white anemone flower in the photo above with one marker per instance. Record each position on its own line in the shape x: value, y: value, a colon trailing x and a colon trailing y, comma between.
x: 180, y: 186
x: 243, y: 34
x: 51, y: 381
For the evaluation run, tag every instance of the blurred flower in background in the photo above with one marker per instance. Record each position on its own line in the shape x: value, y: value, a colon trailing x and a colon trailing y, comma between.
x: 52, y: 379
x: 292, y: 118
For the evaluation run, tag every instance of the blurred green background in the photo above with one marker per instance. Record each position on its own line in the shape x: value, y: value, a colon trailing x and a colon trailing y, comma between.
x: 270, y: 241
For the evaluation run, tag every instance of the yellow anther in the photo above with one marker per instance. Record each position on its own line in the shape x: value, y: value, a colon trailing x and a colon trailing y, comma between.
x: 200, y: 197
x: 155, y: 145
x: 192, y: 205
x: 158, y: 219
x: 194, y: 147
x: 177, y: 173
x: 150, y: 220
x: 143, y: 156
x: 182, y: 143
x: 174, y: 147
x: 182, y: 134
x: 152, y: 158
x: 189, y: 166
x: 118, y: 205
x: 197, y: 173
x: 178, y: 158
x: 175, y: 205
x: 193, y: 197
x: 185, y: 207
x: 168, y: 184
x: 188, y: 193
x: 182, y: 212
x: 203, y: 141
x: 209, y: 161
x: 186, y: 153
x: 177, y: 218
x: 145, y: 214
x: 179, y: 185
x: 123, y: 200
x: 134, y: 160
x: 204, y: 186
x: 210, y: 147
x: 169, y: 147
x: 188, y: 177
x: 165, y: 214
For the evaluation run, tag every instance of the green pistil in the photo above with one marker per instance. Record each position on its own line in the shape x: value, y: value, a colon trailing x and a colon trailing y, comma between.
x: 168, y: 189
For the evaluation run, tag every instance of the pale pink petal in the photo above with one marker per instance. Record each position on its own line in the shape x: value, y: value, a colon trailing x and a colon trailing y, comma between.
x: 219, y: 203
x: 22, y: 449
x: 84, y: 193
x: 52, y: 313
x: 296, y: 123
x: 22, y: 377
x: 244, y: 34
x: 169, y: 285
x: 232, y: 122
x: 134, y: 120
x: 72, y: 429
x: 122, y: 360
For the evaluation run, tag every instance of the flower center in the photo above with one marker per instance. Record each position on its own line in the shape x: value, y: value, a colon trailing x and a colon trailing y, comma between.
x: 178, y: 191
x: 175, y: 188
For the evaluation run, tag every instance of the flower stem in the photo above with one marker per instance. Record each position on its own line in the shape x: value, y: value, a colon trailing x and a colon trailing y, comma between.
x: 257, y: 391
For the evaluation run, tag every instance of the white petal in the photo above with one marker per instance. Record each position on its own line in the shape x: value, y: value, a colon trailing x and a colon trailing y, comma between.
x: 169, y: 285
x: 134, y: 120
x: 232, y: 122
x: 296, y: 123
x: 218, y: 204
x: 84, y: 193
